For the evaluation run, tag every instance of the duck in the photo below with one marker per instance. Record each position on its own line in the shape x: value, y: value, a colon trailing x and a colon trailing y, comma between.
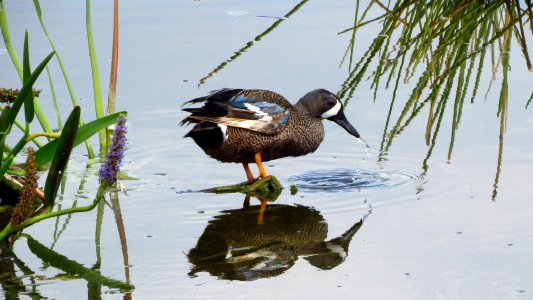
x: 254, y: 125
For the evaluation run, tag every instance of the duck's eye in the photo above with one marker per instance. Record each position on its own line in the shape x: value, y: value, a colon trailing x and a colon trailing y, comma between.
x: 331, y: 102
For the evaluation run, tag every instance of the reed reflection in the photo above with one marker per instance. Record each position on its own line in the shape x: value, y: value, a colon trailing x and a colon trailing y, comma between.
x: 235, y: 245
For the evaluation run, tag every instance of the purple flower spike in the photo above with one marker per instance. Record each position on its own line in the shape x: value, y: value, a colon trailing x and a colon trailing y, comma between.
x: 113, y: 159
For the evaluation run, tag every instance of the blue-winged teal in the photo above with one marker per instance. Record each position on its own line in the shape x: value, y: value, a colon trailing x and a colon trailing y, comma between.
x: 247, y: 126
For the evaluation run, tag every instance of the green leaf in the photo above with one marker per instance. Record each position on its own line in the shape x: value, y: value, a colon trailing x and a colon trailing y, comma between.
x: 46, y: 152
x: 72, y: 267
x: 38, y: 9
x: 25, y: 92
x: 65, y: 143
x: 3, y: 134
x: 3, y: 117
x: 26, y: 70
x: 26, y: 73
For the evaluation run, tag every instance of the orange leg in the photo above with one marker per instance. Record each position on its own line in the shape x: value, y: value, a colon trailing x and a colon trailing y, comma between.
x: 262, y: 173
x: 260, y: 216
x: 249, y: 174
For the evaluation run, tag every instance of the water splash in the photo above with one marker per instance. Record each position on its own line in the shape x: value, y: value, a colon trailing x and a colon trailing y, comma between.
x: 345, y: 180
x: 360, y: 139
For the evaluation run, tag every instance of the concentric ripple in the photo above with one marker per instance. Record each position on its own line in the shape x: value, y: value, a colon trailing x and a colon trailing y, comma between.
x: 342, y: 180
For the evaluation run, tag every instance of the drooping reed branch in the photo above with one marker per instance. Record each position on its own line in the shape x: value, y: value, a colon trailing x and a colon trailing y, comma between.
x: 249, y: 44
x: 503, y: 103
x: 446, y: 38
x: 529, y: 101
x: 98, y: 103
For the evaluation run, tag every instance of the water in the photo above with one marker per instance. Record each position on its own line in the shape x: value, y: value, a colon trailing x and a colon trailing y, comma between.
x: 361, y: 140
x: 345, y: 180
x: 413, y: 228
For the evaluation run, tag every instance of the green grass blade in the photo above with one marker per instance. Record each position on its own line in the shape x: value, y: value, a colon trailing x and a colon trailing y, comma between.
x: 3, y: 117
x: 26, y: 73
x: 98, y: 103
x: 65, y: 143
x: 21, y: 127
x: 25, y: 92
x: 26, y: 70
x: 90, y: 151
x: 54, y: 101
x: 7, y: 39
x: 46, y: 153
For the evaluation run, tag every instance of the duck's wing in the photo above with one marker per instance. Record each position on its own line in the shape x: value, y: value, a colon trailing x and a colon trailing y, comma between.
x: 256, y: 110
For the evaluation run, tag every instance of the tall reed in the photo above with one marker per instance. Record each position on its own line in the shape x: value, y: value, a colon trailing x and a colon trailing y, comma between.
x: 55, y: 154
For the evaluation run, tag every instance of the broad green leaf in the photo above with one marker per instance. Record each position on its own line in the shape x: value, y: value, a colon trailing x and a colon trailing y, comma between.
x: 65, y: 143
x: 26, y: 73
x: 25, y: 92
x: 72, y: 267
x: 45, y: 154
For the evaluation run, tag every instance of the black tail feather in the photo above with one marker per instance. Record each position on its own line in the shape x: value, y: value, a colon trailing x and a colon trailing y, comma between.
x: 222, y: 95
x: 206, y: 135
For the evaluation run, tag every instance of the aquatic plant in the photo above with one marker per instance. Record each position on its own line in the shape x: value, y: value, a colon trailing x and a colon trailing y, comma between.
x: 10, y: 95
x: 54, y: 154
x: 58, y: 165
x: 445, y: 46
x: 25, y: 202
x: 111, y: 166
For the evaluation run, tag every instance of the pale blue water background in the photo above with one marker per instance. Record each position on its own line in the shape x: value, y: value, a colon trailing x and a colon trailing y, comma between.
x: 437, y: 236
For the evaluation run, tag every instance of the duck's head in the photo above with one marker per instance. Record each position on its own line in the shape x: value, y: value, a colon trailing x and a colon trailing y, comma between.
x: 325, y: 105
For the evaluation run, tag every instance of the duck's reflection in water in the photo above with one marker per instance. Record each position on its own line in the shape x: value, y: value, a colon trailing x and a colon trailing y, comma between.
x: 236, y: 246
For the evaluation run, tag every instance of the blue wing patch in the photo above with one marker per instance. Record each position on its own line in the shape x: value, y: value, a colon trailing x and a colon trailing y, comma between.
x: 248, y: 111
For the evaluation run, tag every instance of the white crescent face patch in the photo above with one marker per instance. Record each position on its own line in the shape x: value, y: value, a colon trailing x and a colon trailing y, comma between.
x: 332, y: 111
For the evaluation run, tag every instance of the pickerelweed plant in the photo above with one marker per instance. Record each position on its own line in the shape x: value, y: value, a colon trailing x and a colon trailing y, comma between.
x: 27, y: 211
x: 21, y: 107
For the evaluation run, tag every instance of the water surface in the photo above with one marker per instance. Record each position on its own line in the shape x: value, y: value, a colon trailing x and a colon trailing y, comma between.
x: 370, y: 228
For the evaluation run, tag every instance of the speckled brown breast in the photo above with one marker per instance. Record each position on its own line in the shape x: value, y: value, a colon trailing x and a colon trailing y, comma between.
x: 301, y: 135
